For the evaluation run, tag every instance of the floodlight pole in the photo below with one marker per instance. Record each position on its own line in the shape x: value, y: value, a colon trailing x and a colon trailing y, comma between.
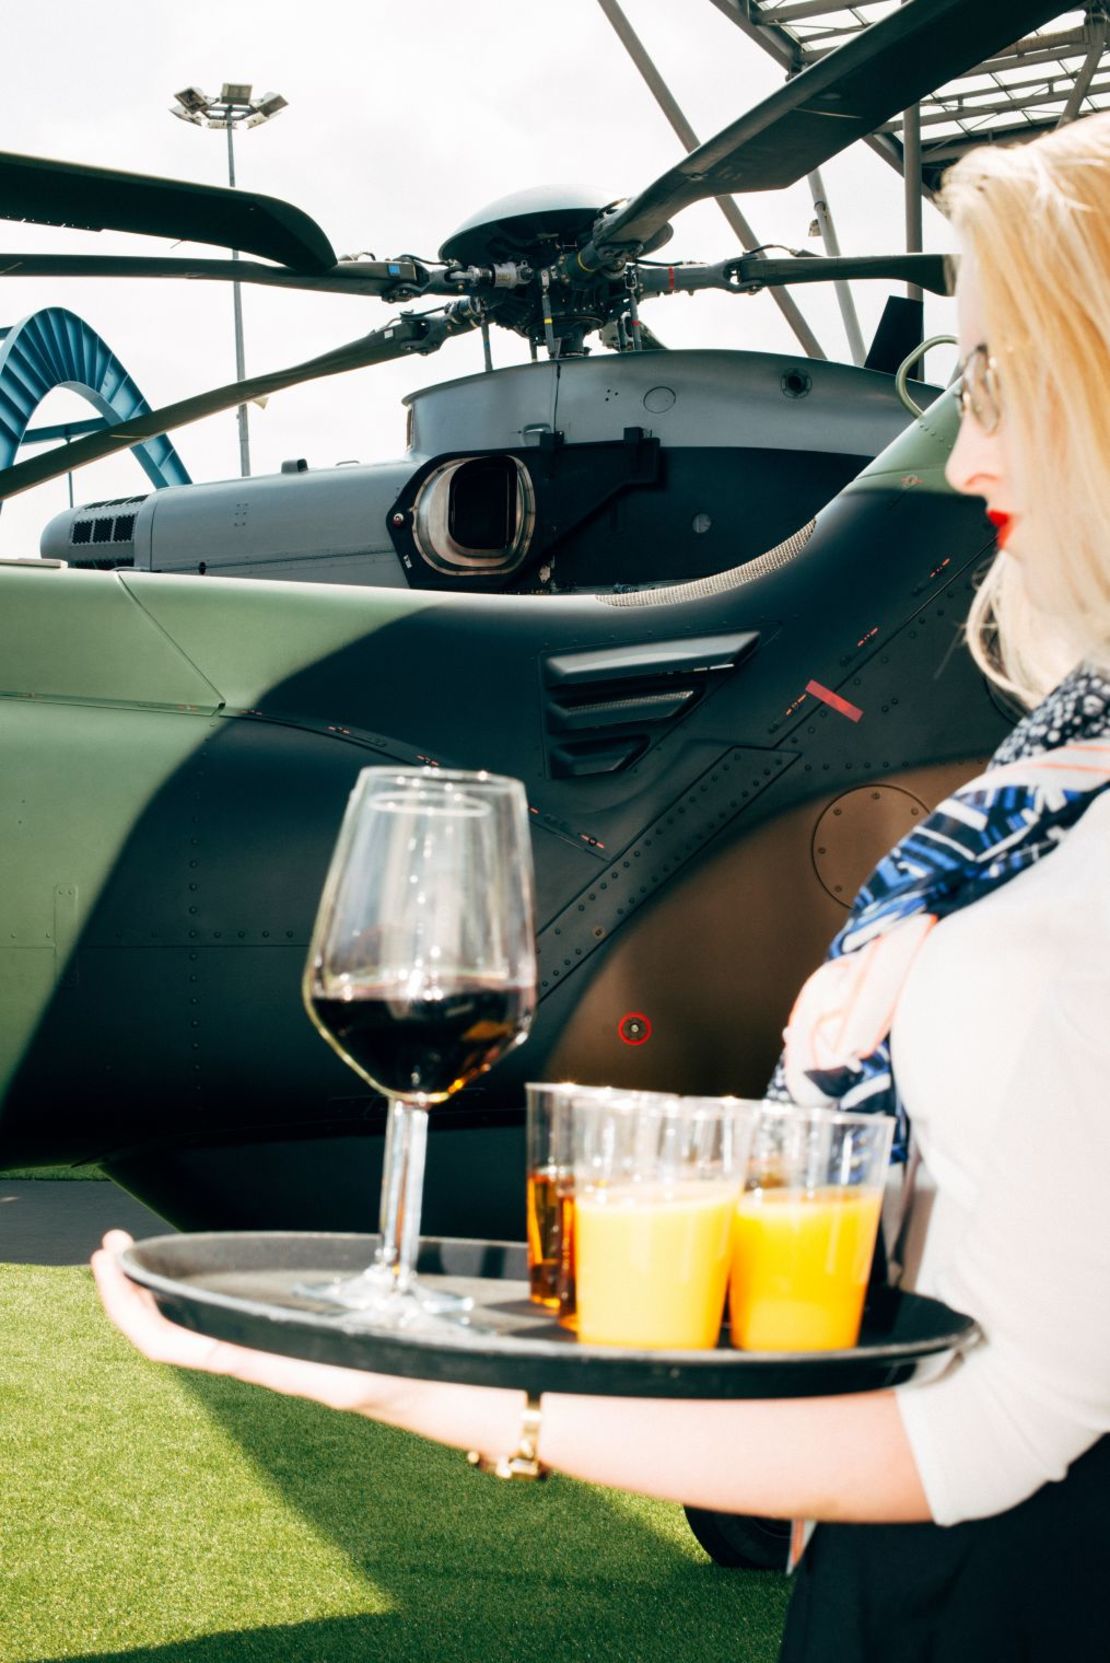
x: 235, y: 104
x: 237, y: 302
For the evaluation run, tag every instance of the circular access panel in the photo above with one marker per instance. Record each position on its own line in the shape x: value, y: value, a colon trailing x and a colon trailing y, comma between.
x: 856, y: 831
x: 658, y: 399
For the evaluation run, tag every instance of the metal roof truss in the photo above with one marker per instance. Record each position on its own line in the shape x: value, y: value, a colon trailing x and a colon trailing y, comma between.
x: 998, y: 100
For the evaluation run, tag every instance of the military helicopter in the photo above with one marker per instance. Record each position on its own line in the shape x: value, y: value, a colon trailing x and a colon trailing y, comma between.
x: 507, y: 485
x: 711, y: 766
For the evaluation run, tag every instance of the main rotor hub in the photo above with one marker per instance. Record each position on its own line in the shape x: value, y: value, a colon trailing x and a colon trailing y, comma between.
x: 542, y: 230
x: 533, y: 225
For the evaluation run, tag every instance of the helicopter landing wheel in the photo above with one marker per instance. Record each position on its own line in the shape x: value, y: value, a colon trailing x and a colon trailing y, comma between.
x: 741, y: 1541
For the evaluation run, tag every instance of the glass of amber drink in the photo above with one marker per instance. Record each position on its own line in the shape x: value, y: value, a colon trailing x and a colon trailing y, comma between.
x: 656, y: 1185
x: 550, y: 1194
x: 805, y: 1228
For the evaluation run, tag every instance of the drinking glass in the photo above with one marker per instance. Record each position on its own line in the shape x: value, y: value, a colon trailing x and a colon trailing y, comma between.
x: 549, y: 1167
x: 421, y: 974
x: 549, y: 1176
x: 656, y: 1181
x: 805, y: 1228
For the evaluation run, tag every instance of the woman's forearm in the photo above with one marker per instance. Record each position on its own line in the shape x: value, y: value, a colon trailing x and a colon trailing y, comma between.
x: 844, y: 1458
x: 825, y: 1458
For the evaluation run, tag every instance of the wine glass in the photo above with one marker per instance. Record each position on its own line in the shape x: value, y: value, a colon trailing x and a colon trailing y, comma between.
x: 421, y: 974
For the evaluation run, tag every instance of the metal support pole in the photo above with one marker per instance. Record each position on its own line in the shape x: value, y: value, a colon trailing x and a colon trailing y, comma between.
x: 1086, y: 75
x: 832, y: 247
x: 240, y: 360
x: 689, y: 139
x: 911, y: 171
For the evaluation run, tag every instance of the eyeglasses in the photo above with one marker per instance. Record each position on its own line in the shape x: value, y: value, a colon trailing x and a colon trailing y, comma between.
x: 977, y: 390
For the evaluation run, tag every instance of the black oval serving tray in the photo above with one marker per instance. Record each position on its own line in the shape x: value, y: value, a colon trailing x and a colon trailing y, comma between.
x: 242, y: 1287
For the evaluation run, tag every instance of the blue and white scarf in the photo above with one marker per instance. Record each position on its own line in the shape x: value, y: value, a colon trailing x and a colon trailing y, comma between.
x: 1037, y: 785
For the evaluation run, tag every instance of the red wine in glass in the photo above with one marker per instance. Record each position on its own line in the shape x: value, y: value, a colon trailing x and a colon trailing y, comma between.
x: 420, y: 1046
x: 421, y: 974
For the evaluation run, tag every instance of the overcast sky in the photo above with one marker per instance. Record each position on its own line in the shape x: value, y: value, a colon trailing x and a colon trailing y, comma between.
x: 403, y: 120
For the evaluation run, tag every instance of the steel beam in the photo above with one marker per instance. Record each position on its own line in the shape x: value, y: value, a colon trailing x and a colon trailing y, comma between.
x: 1029, y: 84
x: 787, y: 53
x: 1075, y: 38
x: 1063, y: 76
x: 1086, y: 74
x: 663, y: 96
x: 1029, y: 51
x: 798, y: 9
x: 1017, y: 58
x: 973, y: 112
x: 945, y: 151
x: 832, y: 246
x: 911, y: 174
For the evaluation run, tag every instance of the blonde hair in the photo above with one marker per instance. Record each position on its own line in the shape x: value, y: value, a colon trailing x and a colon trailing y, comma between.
x: 1034, y: 220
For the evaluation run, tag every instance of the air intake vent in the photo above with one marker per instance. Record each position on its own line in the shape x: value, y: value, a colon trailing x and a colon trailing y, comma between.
x: 603, y: 709
x: 118, y: 529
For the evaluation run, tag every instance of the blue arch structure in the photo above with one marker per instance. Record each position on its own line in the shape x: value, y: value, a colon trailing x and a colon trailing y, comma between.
x: 55, y: 348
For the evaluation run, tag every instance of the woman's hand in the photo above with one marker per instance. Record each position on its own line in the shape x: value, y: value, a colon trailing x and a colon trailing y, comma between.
x: 844, y: 1458
x: 469, y: 1417
x: 136, y: 1315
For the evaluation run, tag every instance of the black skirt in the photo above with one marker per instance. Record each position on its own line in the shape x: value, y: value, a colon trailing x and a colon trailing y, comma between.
x: 1031, y: 1585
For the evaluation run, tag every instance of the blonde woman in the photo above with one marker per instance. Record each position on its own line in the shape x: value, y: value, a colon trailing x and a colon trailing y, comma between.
x: 963, y: 1519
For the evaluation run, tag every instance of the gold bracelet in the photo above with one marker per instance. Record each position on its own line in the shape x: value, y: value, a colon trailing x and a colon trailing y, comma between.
x: 524, y: 1462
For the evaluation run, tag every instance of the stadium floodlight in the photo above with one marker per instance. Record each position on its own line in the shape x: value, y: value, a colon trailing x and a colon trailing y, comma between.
x: 192, y: 99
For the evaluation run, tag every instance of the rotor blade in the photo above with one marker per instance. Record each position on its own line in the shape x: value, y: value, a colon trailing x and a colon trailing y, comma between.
x: 404, y: 335
x: 842, y: 97
x: 929, y: 271
x: 104, y: 199
x: 365, y: 277
x: 749, y: 273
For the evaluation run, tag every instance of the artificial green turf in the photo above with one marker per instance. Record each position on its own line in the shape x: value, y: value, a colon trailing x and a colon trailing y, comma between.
x: 163, y: 1517
x: 56, y: 1173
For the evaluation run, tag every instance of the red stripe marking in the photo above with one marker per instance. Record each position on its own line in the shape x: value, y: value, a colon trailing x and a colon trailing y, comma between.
x: 834, y: 701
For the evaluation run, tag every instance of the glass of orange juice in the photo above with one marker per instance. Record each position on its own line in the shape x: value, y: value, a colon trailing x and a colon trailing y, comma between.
x: 656, y: 1183
x: 805, y: 1228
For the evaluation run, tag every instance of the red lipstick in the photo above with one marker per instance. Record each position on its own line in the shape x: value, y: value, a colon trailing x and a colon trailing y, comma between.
x: 1003, y: 525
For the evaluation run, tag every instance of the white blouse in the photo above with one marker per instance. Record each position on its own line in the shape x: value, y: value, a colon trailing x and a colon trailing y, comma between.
x: 1001, y: 1047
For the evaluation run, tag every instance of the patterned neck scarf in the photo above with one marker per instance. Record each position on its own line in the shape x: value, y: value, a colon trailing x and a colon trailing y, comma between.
x: 1038, y: 784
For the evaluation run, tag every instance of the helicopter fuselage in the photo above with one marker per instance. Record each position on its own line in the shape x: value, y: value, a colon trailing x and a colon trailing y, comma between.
x: 556, y: 476
x: 712, y: 770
